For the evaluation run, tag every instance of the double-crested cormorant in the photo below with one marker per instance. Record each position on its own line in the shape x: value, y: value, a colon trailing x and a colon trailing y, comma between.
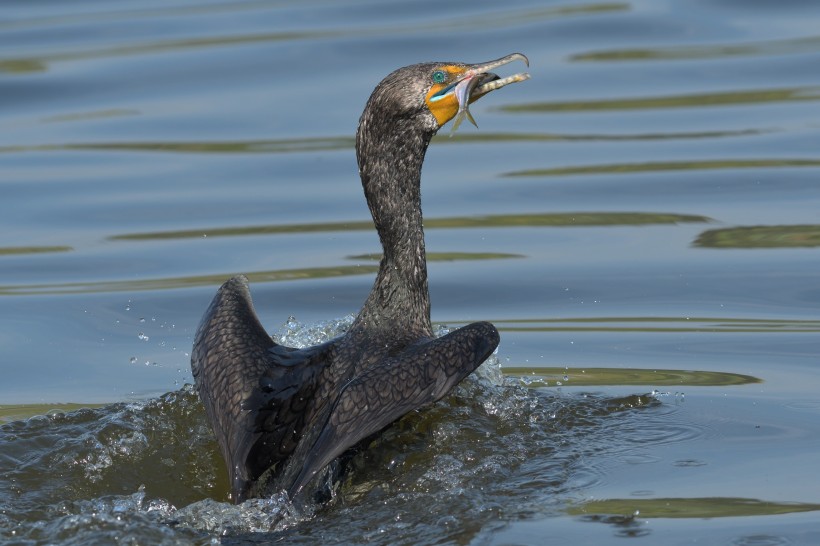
x: 280, y: 414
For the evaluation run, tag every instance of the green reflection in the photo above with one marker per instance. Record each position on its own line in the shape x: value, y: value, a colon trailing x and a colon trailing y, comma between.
x: 707, y: 507
x: 695, y: 100
x: 330, y: 144
x: 289, y: 145
x: 94, y: 114
x: 713, y: 51
x: 170, y: 283
x: 659, y: 166
x: 488, y: 137
x: 586, y: 377
x: 494, y: 21
x: 660, y: 325
x: 13, y: 250
x: 448, y: 256
x: 167, y: 46
x: 21, y: 66
x: 24, y: 411
x: 797, y: 236
x: 563, y: 219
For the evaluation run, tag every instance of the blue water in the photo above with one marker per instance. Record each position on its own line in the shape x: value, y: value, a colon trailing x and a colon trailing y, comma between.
x: 648, y: 202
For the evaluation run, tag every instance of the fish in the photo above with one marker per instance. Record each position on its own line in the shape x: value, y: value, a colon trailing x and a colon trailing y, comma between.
x: 462, y: 92
x: 471, y: 87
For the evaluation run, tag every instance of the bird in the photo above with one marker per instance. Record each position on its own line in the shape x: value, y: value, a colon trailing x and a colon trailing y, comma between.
x: 280, y: 415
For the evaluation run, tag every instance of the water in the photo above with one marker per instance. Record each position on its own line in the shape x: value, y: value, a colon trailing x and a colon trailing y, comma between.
x: 640, y: 220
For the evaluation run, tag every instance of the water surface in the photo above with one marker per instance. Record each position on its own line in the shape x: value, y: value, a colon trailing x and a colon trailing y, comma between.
x: 640, y: 220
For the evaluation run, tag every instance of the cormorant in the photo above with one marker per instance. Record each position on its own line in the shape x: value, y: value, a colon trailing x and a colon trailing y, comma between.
x: 281, y: 414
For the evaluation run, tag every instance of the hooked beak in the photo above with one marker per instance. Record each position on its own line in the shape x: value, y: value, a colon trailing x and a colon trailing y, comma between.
x: 482, y: 79
x: 470, y: 82
x: 486, y: 81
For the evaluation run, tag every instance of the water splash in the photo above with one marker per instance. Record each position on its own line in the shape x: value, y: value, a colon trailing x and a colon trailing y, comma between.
x: 296, y: 334
x: 152, y: 471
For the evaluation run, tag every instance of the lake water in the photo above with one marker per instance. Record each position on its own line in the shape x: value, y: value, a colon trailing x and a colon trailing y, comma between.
x: 641, y: 220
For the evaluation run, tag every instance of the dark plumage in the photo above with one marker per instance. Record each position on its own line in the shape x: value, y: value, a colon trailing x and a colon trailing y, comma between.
x: 280, y: 415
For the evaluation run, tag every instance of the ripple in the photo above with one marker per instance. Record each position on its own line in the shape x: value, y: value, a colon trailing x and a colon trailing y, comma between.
x: 808, y: 44
x: 693, y: 508
x: 791, y: 236
x: 688, y: 463
x: 761, y: 540
x: 694, y: 100
x: 665, y: 166
x: 811, y: 406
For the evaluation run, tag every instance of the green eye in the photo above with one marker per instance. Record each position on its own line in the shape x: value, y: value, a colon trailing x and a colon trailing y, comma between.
x: 439, y: 76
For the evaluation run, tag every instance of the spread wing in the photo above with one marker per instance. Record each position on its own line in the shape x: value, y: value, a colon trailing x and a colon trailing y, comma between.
x: 422, y: 374
x: 253, y: 389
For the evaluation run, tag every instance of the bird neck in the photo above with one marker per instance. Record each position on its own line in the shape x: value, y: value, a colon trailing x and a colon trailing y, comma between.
x: 390, y: 158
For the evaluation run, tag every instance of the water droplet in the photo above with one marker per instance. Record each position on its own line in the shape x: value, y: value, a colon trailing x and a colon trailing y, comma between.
x: 142, y: 319
x: 566, y: 378
x: 142, y: 337
x: 133, y: 360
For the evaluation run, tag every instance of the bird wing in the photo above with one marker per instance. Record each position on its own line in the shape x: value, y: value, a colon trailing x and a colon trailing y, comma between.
x: 422, y: 374
x: 244, y: 379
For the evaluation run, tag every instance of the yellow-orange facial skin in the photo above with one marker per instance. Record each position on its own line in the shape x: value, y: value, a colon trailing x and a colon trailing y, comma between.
x: 446, y: 107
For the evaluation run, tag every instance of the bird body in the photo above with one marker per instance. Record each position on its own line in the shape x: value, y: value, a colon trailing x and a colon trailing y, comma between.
x: 280, y: 415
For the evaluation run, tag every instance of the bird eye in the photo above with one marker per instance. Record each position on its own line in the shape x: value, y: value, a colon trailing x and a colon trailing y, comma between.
x: 439, y: 76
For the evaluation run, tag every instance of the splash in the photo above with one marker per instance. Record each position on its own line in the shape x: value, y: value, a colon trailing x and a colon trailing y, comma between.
x: 494, y: 438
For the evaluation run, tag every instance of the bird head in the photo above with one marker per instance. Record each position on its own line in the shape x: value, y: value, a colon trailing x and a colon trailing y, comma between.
x: 436, y: 93
x: 456, y: 86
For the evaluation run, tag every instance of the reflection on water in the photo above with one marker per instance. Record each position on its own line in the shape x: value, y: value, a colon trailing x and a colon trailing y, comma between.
x: 472, y: 23
x: 660, y: 325
x: 695, y: 100
x: 658, y: 166
x: 542, y: 377
x: 246, y: 147
x: 172, y: 283
x: 711, y: 507
x: 563, y: 219
x: 327, y: 144
x: 810, y: 44
x: 761, y: 237
x: 7, y: 251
